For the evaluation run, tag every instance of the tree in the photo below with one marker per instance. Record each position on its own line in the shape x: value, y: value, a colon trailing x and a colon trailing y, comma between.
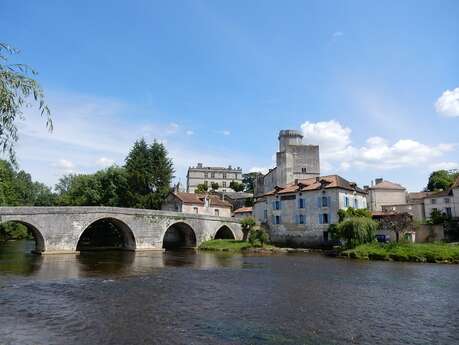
x: 236, y: 186
x: 201, y: 188
x: 17, y: 88
x: 258, y: 234
x: 248, y: 180
x: 441, y: 180
x: 149, y: 172
x: 353, y: 212
x: 214, y: 185
x: 247, y: 224
x: 436, y: 217
x: 398, y: 223
x: 357, y: 230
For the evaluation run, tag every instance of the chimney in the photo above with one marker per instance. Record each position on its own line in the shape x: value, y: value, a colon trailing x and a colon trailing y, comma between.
x: 378, y: 180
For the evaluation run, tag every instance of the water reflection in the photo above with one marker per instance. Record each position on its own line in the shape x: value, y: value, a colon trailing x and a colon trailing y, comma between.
x: 15, y: 259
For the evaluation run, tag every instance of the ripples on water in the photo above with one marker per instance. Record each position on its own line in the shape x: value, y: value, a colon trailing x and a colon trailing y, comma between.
x: 209, y: 298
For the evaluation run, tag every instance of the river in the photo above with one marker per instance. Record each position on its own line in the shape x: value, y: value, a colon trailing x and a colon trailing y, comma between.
x: 211, y: 298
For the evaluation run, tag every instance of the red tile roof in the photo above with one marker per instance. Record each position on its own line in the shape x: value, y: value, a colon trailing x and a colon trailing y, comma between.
x: 388, y: 185
x: 198, y: 199
x: 244, y: 210
x: 327, y: 182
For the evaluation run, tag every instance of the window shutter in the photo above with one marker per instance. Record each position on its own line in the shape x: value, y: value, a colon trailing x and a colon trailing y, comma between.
x: 273, y: 220
x: 297, y: 219
x: 320, y: 219
x: 274, y: 205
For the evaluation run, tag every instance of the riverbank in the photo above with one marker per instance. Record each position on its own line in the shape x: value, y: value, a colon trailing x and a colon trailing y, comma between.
x: 413, y: 252
x: 245, y: 246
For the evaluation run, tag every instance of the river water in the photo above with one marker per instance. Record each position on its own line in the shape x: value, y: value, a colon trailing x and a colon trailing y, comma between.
x: 211, y: 298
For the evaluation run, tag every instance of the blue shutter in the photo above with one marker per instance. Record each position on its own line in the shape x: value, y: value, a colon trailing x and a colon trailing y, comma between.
x: 320, y: 219
x: 274, y: 205
x: 273, y: 219
x: 280, y: 220
x: 297, y: 219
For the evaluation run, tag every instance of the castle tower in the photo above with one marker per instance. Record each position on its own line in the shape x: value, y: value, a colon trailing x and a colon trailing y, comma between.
x: 295, y: 160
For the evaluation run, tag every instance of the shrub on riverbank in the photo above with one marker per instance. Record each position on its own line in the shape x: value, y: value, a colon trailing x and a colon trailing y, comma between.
x: 415, y: 252
x: 232, y: 245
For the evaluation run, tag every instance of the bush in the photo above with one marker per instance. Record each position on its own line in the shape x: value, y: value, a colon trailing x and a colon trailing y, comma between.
x: 357, y: 230
x: 258, y: 234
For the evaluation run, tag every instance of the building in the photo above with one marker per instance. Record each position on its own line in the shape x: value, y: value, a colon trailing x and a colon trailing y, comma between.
x: 236, y: 199
x: 295, y: 160
x: 441, y: 201
x: 243, y: 212
x: 300, y: 213
x: 210, y: 205
x: 207, y: 175
x: 382, y: 193
x: 415, y: 209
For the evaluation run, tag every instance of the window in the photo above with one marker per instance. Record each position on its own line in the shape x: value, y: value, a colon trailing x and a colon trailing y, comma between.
x: 278, y: 219
x: 323, y: 218
x: 265, y: 215
x: 346, y: 201
x: 206, y: 175
x: 434, y: 201
x: 224, y: 175
x: 448, y: 212
x: 195, y: 210
x: 301, y: 219
x: 325, y: 201
x: 356, y: 203
x: 217, y: 212
x: 446, y: 200
x: 212, y: 175
x: 277, y: 205
x: 301, y: 203
x: 304, y: 171
x: 224, y: 184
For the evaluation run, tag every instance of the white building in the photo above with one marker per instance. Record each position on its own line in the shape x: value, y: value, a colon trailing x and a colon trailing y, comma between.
x: 210, y: 205
x: 207, y: 175
x: 295, y: 160
x: 384, y: 193
x: 301, y: 212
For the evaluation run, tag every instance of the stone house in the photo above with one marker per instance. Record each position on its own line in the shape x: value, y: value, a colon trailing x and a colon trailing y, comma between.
x: 383, y: 193
x: 441, y: 201
x: 201, y: 174
x: 243, y: 212
x: 210, y: 205
x: 236, y: 199
x: 300, y: 213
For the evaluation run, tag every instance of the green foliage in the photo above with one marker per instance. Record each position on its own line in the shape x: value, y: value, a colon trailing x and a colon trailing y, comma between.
x: 17, y: 88
x: 107, y: 187
x: 248, y: 180
x: 436, y: 217
x: 236, y: 186
x: 18, y: 189
x: 214, y: 185
x: 353, y: 212
x: 249, y: 202
x: 247, y: 224
x: 398, y: 223
x: 258, y: 234
x: 441, y: 180
x: 14, y: 231
x: 149, y: 172
x: 357, y: 230
x: 225, y: 245
x: 201, y: 188
x: 416, y: 252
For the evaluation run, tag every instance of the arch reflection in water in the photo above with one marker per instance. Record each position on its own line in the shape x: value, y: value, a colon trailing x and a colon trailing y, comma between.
x: 179, y: 236
x: 107, y: 234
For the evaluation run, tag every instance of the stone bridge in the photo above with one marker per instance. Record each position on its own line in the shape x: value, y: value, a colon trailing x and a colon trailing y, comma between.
x: 62, y: 229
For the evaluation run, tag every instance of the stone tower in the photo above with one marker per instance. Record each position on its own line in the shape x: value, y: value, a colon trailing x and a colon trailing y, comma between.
x: 295, y: 160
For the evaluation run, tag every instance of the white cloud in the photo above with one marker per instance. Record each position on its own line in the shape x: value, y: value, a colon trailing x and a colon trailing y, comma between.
x: 189, y: 132
x: 338, y: 34
x: 444, y: 166
x: 226, y: 132
x: 172, y: 128
x: 65, y: 166
x: 105, y: 162
x: 338, y: 153
x: 448, y: 103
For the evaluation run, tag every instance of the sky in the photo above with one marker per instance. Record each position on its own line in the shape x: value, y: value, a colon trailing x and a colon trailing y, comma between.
x: 375, y: 84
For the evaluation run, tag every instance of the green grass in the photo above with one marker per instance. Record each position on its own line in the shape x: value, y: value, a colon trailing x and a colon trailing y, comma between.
x: 414, y: 252
x: 230, y: 245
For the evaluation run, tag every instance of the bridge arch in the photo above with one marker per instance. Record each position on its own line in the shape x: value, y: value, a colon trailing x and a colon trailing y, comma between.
x: 179, y: 235
x: 106, y: 233
x: 37, y: 234
x: 224, y: 233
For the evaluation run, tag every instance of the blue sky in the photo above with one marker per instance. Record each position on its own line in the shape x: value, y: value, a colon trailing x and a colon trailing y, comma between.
x: 376, y: 84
